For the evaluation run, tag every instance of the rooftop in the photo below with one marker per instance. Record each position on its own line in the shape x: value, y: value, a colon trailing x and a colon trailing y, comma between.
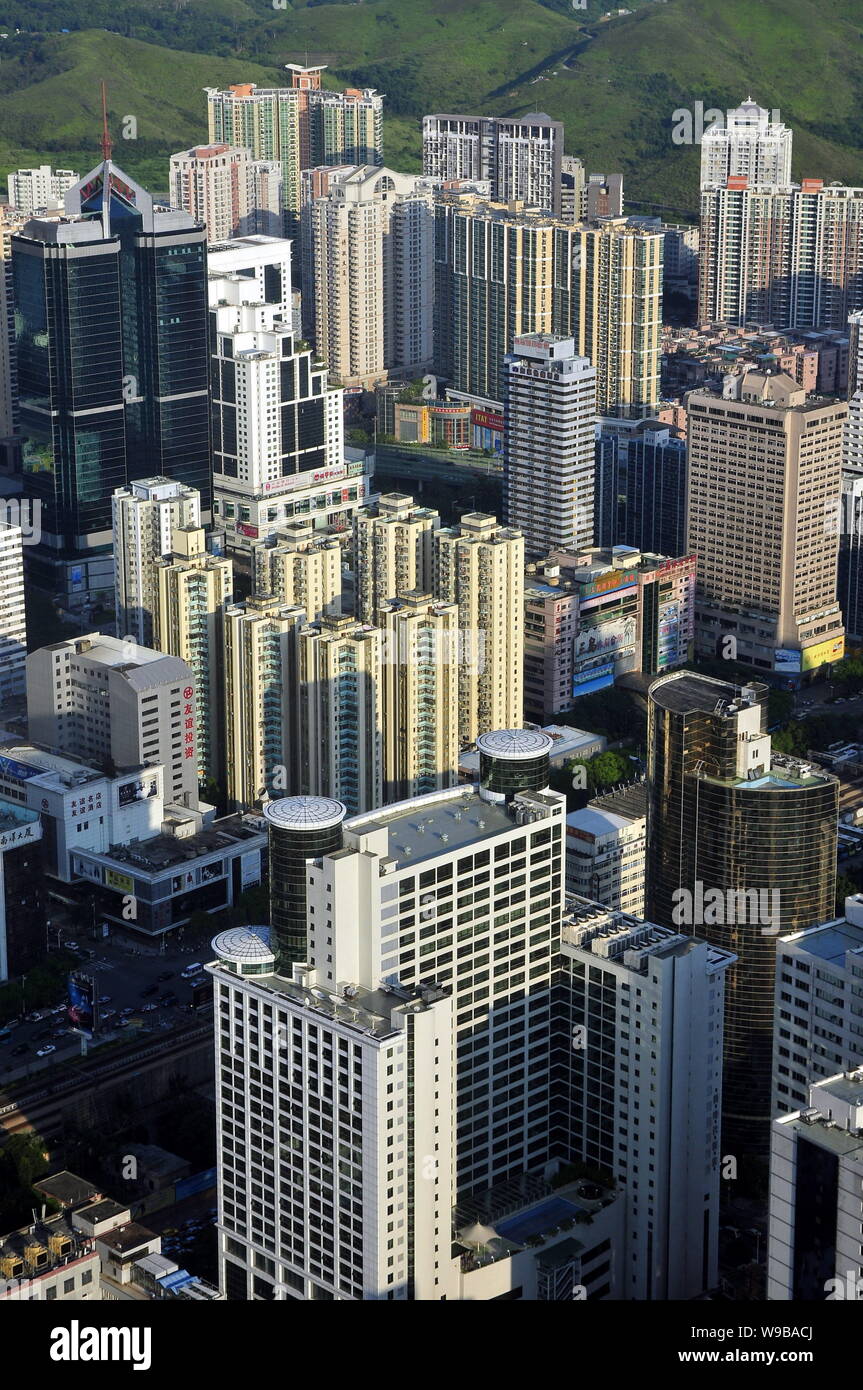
x: 166, y: 851
x: 66, y: 1188
x: 689, y: 693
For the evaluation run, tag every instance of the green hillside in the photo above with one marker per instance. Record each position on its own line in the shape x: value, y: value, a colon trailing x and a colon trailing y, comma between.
x: 615, y: 82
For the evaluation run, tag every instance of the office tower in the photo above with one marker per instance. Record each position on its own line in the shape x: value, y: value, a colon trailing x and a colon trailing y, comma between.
x: 301, y: 569
x: 520, y: 158
x: 300, y: 828
x: 550, y: 621
x: 749, y: 143
x: 393, y: 551
x: 617, y: 313
x: 39, y: 190
x: 277, y: 425
x: 146, y: 515
x: 500, y: 272
x: 550, y: 425
x: 194, y: 590
x: 231, y: 193
x: 816, y: 1208
x: 298, y: 126
x: 338, y: 712
x: 602, y: 196
x: 120, y: 389
x: 480, y: 566
x: 362, y: 899
x: 636, y: 1001
x: 852, y: 452
x: 818, y: 1020
x: 260, y: 667
x: 789, y: 256
x: 741, y: 846
x: 605, y: 850
x: 640, y: 491
x: 371, y: 244
x: 571, y: 188
x: 112, y: 702
x: 764, y: 487
x: 13, y: 622
x: 22, y: 902
x: 849, y: 588
x: 420, y: 679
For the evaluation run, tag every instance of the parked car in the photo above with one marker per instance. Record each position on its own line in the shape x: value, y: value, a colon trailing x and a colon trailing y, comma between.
x: 104, y: 998
x: 72, y: 946
x: 46, y: 1050
x: 149, y: 1008
x: 108, y: 1013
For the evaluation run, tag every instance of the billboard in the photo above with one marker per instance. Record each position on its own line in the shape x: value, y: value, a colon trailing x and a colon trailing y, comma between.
x: 82, y: 1006
x: 786, y: 659
x: 137, y: 790
x: 606, y: 639
x: 593, y: 678
x: 831, y: 650
x: 607, y: 583
x: 122, y: 883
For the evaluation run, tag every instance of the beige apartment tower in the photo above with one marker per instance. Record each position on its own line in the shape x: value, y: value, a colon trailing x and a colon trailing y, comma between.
x: 421, y: 695
x: 764, y: 490
x: 260, y: 686
x: 480, y: 566
x: 303, y: 569
x: 393, y: 551
x: 338, y: 713
x: 195, y: 588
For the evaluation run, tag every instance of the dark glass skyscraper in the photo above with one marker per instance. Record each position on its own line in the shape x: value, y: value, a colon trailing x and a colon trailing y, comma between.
x: 640, y: 491
x: 113, y: 364
x: 741, y: 845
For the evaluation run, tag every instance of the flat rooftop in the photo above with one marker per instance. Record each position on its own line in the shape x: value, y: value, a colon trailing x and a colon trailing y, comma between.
x: 169, y: 851
x: 829, y: 942
x: 440, y: 823
x: 693, y: 694
x: 67, y: 1189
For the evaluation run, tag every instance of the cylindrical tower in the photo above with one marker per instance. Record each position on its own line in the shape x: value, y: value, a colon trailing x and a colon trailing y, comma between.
x: 301, y: 828
x: 513, y: 760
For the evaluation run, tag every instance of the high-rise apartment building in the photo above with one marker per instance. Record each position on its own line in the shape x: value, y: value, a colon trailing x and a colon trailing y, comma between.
x: 605, y: 850
x: 616, y: 313
x: 370, y: 239
x: 194, y: 590
x: 277, y: 425
x: 850, y: 572
x: 260, y: 692
x: 751, y: 143
x: 13, y: 622
x: 480, y: 566
x: 816, y: 1208
x: 338, y: 712
x: 393, y: 551
x: 229, y: 191
x: 302, y: 569
x: 741, y: 846
x: 638, y: 1000
x: 640, y: 491
x: 420, y: 678
x: 298, y: 126
x: 550, y: 427
x: 39, y: 190
x: 818, y: 1023
x: 521, y: 158
x: 146, y: 515
x: 113, y: 703
x: 764, y: 488
x: 790, y: 256
x: 118, y: 390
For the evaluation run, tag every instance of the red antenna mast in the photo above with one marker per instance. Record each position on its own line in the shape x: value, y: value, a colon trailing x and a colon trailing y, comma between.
x: 106, y: 139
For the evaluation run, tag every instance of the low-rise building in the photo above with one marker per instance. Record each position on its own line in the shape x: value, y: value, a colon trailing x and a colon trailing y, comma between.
x: 605, y: 850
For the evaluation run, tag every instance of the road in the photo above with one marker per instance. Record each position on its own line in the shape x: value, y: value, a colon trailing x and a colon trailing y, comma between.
x: 121, y: 977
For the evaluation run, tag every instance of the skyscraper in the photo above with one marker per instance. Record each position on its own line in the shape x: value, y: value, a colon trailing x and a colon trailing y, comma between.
x: 420, y: 679
x: 640, y: 492
x: 117, y: 389
x: 764, y: 487
x: 741, y: 845
x: 303, y: 569
x: 260, y: 692
x: 40, y: 189
x: 231, y: 193
x: 146, y: 515
x: 550, y: 415
x: 393, y: 551
x: 371, y: 247
x: 13, y: 623
x: 748, y: 143
x: 520, y: 157
x: 480, y: 566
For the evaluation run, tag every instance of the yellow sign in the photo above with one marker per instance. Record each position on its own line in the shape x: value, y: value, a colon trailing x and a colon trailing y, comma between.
x: 831, y: 650
x: 122, y: 882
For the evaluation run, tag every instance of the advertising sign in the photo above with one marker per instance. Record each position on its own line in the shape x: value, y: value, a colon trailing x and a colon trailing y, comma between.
x: 123, y: 883
x: 785, y: 659
x: 831, y: 650
x: 138, y: 790
x: 606, y: 638
x: 82, y: 1006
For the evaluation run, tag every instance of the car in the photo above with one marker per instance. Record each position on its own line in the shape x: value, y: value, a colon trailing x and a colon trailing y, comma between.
x: 196, y: 968
x: 108, y: 1013
x: 72, y: 946
x: 46, y: 1050
x: 20, y: 1049
x: 150, y: 990
x: 165, y: 975
x: 104, y: 998
x: 166, y: 1000
x: 35, y: 1017
x: 124, y: 1013
x: 149, y: 1008
x: 58, y: 1009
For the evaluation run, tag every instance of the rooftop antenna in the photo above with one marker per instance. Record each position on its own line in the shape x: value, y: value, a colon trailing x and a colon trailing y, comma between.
x: 106, y: 139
